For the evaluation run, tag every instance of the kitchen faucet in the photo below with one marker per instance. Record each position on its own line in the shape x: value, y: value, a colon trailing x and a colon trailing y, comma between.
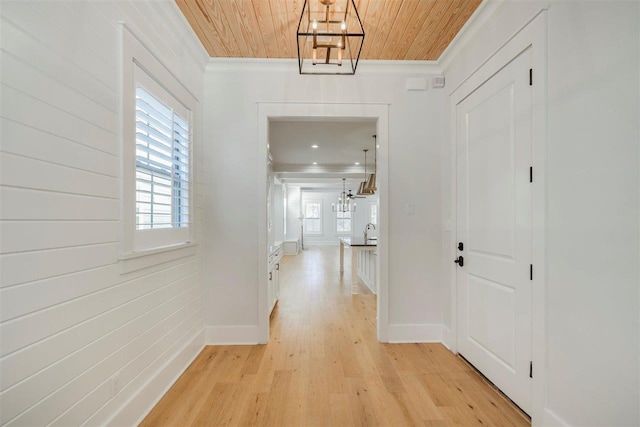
x: 366, y: 231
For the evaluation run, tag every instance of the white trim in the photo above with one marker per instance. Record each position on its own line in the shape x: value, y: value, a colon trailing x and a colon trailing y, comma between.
x: 267, y: 110
x: 367, y: 281
x: 154, y: 251
x: 419, y: 333
x: 334, y: 242
x: 550, y: 419
x: 480, y: 18
x: 140, y: 404
x: 138, y: 261
x: 291, y: 65
x: 231, y: 335
x: 532, y: 34
x: 448, y: 338
x: 320, y: 217
x: 137, y: 56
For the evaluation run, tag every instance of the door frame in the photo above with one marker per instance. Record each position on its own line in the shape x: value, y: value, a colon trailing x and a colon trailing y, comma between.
x: 533, y: 36
x: 315, y: 111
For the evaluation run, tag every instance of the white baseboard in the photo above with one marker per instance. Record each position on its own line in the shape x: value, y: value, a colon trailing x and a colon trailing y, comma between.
x: 368, y: 282
x: 231, y: 335
x: 133, y: 409
x: 399, y: 333
x: 447, y: 338
x: 322, y: 243
x: 552, y: 420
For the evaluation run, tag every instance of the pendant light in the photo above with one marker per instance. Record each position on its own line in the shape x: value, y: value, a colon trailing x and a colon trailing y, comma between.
x: 344, y: 202
x: 371, y: 182
x: 363, y: 190
x: 330, y: 37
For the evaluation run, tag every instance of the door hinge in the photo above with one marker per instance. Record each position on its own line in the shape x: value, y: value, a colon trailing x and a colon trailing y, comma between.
x: 530, y: 369
x: 530, y: 173
x: 530, y: 76
x: 530, y: 271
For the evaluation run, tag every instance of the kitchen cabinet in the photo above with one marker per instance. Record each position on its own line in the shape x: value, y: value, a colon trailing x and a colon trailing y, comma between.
x: 273, y: 282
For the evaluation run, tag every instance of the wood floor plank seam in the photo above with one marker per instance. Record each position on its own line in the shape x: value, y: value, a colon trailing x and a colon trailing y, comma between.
x: 323, y: 366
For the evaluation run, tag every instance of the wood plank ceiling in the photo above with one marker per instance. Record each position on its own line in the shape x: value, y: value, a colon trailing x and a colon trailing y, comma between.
x: 394, y: 29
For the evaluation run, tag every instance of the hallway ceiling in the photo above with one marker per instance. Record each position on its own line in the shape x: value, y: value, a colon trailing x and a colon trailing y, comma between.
x: 394, y: 29
x: 340, y: 145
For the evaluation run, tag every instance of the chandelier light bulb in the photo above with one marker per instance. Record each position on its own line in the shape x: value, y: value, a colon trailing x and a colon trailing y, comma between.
x: 314, y: 24
x: 343, y: 26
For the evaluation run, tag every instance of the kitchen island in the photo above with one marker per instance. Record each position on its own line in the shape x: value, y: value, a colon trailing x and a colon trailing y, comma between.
x: 362, y: 261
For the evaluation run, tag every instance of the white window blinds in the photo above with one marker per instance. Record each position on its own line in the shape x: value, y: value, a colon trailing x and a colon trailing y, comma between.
x: 162, y: 164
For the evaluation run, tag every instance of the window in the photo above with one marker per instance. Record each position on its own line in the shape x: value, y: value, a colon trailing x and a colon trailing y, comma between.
x: 284, y: 208
x: 373, y: 213
x: 162, y: 164
x: 157, y: 150
x: 313, y: 217
x: 343, y: 222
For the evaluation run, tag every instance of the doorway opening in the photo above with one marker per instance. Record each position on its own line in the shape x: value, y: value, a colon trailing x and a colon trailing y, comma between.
x: 297, y: 198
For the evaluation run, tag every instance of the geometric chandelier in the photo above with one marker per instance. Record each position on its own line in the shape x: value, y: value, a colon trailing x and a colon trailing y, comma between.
x: 330, y: 37
x: 344, y: 201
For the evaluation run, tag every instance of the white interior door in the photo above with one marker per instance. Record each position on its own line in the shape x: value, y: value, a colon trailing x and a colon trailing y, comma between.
x: 493, y: 141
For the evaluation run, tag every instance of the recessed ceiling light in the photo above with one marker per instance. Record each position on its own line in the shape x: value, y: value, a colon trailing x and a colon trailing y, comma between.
x: 314, y: 146
x: 356, y: 163
x: 315, y: 163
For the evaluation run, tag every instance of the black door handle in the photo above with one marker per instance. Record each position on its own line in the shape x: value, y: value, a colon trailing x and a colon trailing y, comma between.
x: 459, y: 261
x: 460, y: 246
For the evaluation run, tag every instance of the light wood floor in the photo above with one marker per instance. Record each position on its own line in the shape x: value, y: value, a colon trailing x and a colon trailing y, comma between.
x: 324, y: 366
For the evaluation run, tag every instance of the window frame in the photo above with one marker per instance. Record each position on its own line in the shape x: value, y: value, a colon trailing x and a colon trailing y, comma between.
x: 372, y: 206
x: 320, y: 218
x: 344, y: 233
x: 141, y: 67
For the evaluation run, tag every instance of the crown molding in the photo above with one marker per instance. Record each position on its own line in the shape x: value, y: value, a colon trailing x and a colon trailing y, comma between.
x: 484, y: 14
x: 291, y: 65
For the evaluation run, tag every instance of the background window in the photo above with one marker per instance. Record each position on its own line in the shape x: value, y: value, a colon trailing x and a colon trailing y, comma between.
x: 162, y: 164
x: 373, y: 214
x: 313, y: 217
x: 343, y: 222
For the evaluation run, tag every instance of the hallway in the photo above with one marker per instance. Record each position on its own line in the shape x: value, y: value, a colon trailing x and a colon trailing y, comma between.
x: 324, y: 366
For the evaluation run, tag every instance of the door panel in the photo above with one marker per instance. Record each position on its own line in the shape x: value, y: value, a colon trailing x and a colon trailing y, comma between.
x: 495, y: 333
x: 493, y: 142
x: 491, y: 164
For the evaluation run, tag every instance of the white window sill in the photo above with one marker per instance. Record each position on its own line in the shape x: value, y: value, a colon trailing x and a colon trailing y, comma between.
x: 133, y: 261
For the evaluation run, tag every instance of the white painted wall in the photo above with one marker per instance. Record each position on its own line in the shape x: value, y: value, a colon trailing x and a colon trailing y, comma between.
x: 232, y: 91
x: 278, y: 213
x: 592, y: 372
x: 69, y: 319
x: 293, y: 211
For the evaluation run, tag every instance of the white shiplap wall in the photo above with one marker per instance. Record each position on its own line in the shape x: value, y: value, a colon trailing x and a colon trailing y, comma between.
x: 81, y: 342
